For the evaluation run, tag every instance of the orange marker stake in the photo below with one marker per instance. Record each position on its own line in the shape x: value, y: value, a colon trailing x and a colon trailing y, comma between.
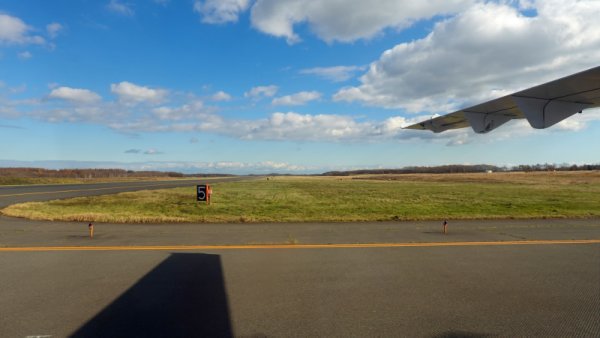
x: 91, y: 228
x: 208, y: 194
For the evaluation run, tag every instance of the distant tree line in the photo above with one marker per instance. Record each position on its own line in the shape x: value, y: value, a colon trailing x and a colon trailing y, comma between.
x: 89, y: 173
x: 442, y: 169
x: 458, y: 168
x: 556, y: 167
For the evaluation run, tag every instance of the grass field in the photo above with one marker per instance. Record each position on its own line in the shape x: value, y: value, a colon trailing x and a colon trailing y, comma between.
x: 363, y: 198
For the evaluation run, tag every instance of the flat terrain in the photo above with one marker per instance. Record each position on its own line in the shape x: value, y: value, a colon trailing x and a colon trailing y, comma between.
x: 53, y: 285
x: 15, y: 232
x: 483, y: 279
x: 45, y: 192
x: 343, y: 199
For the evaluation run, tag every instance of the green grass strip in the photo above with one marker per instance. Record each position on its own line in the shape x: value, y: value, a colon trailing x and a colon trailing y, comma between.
x: 313, y: 199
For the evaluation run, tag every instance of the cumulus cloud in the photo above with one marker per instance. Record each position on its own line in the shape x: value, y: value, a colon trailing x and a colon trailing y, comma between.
x: 119, y: 7
x: 131, y: 93
x: 226, y: 166
x: 221, y: 96
x: 14, y: 31
x: 296, y: 99
x: 220, y: 11
x: 344, y: 21
x: 321, y: 127
x: 487, y: 51
x: 75, y: 95
x: 191, y: 110
x: 261, y: 91
x: 53, y: 29
x: 288, y: 126
x: 335, y: 74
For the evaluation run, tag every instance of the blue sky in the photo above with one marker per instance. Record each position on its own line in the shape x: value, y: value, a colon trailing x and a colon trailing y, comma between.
x: 258, y: 86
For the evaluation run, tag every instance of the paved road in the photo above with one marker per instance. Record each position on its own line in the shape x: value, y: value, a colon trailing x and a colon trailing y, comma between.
x: 25, y: 193
x: 16, y: 232
x: 422, y: 288
x: 461, y: 291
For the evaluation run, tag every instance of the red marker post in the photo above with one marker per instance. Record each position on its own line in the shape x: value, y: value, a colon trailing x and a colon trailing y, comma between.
x: 208, y: 194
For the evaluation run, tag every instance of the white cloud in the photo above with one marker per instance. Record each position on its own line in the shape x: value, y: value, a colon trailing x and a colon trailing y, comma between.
x: 296, y: 99
x: 294, y: 126
x: 25, y: 55
x: 192, y: 110
x: 121, y: 8
x: 335, y: 74
x: 72, y: 114
x: 343, y: 21
x: 322, y: 127
x: 487, y: 51
x: 75, y: 95
x: 220, y: 11
x: 221, y: 96
x: 347, y: 20
x: 53, y: 29
x: 261, y: 91
x: 131, y: 93
x: 14, y: 31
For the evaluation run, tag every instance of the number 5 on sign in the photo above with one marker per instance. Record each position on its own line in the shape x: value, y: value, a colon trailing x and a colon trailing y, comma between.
x: 203, y: 192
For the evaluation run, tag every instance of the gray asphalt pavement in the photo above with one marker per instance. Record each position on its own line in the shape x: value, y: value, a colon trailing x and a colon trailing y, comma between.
x: 45, y: 192
x: 509, y: 291
x: 478, y: 290
x: 16, y: 232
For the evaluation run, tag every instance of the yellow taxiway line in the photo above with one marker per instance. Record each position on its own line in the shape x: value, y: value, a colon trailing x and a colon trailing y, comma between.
x: 289, y: 246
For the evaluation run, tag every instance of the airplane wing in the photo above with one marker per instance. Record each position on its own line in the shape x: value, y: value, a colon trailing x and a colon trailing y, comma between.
x: 542, y: 106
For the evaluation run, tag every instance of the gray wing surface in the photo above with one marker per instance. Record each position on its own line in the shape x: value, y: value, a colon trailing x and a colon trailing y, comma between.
x: 542, y: 106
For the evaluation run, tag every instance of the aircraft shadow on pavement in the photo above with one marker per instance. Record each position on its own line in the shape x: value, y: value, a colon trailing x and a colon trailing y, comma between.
x: 184, y: 296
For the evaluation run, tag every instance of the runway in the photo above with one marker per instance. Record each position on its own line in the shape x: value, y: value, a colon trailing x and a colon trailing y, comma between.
x: 482, y: 279
x: 45, y: 192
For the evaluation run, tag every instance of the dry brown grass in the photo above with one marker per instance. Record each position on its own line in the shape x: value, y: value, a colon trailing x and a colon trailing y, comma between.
x: 540, y: 177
